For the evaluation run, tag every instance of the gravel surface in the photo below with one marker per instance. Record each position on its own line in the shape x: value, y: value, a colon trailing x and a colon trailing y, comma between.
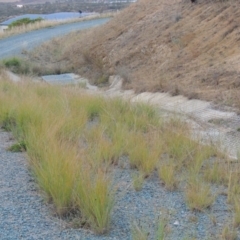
x: 24, y: 214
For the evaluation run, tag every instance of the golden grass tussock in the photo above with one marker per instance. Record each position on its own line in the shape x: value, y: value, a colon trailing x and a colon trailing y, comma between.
x: 167, y: 173
x: 74, y: 141
x: 198, y: 194
x: 94, y: 196
x: 216, y: 173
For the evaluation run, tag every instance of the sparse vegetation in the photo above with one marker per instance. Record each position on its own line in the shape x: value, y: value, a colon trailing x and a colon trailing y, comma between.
x: 140, y: 232
x: 95, y: 133
x: 16, y: 65
x: 35, y: 25
x: 24, y: 21
x: 169, y: 66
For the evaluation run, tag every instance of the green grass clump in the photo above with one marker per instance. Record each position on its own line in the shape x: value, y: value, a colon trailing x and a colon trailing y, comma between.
x: 18, y: 147
x: 24, y: 21
x: 95, y: 198
x: 167, y: 173
x: 16, y: 65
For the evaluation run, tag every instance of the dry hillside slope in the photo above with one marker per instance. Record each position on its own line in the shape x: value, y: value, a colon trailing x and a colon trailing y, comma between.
x: 169, y: 45
x: 175, y: 46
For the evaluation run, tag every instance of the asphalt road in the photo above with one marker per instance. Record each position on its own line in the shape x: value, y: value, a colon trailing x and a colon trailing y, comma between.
x: 14, y: 45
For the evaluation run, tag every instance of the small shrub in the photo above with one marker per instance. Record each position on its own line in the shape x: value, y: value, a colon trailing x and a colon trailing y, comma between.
x: 24, y: 21
x: 16, y: 65
x: 12, y: 62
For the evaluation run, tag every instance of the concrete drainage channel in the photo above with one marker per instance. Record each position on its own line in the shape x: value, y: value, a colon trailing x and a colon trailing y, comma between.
x: 210, y: 124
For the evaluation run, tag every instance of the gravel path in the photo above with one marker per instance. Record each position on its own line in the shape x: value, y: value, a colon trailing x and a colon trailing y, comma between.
x: 24, y: 214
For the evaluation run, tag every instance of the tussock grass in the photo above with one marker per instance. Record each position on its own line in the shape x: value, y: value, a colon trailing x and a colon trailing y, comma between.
x: 198, y: 194
x: 74, y: 140
x: 141, y: 155
x: 216, y: 173
x: 167, y: 173
x: 94, y: 198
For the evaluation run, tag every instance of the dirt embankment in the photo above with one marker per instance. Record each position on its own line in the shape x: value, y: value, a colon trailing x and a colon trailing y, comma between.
x: 175, y: 46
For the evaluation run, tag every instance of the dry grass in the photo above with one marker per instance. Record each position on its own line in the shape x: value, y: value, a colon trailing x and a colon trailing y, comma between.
x: 48, y: 24
x: 74, y: 140
x: 167, y: 173
x: 198, y: 194
x: 228, y: 233
x: 237, y: 212
x: 196, y: 57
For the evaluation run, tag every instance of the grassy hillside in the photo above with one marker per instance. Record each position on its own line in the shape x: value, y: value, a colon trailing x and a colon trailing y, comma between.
x: 175, y: 46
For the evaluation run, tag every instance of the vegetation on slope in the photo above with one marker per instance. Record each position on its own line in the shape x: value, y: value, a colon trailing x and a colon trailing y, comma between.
x: 173, y: 46
x: 24, y: 21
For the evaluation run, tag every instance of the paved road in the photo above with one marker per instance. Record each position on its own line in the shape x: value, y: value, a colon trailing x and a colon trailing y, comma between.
x: 14, y: 45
